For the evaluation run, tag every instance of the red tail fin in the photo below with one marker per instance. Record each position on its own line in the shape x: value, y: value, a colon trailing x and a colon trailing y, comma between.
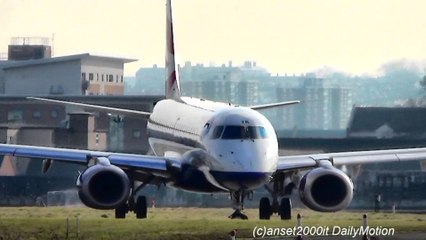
x: 172, y: 81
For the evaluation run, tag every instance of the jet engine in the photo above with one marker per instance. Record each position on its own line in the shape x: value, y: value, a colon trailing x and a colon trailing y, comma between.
x: 103, y: 186
x: 326, y: 189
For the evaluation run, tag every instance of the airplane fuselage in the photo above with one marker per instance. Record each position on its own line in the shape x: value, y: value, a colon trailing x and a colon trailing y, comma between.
x: 237, y: 144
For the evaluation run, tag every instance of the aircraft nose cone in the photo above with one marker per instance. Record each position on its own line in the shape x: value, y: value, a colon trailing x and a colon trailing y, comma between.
x: 242, y: 180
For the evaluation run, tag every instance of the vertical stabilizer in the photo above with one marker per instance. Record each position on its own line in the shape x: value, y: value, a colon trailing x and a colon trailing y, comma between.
x: 172, y: 82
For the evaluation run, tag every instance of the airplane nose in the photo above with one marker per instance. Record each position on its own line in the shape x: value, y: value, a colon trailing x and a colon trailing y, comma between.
x: 242, y: 180
x: 245, y: 164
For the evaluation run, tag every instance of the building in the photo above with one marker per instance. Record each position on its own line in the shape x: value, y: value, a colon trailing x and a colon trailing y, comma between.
x: 149, y: 81
x: 28, y: 48
x: 387, y: 123
x: 322, y: 107
x: 46, y: 124
x: 225, y: 83
x: 81, y: 74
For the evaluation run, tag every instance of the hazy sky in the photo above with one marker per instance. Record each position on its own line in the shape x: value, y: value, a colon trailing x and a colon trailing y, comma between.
x: 285, y: 36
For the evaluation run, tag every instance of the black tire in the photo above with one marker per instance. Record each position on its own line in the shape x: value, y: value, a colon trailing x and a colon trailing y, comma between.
x: 141, y: 207
x: 285, y: 209
x: 265, y: 209
x: 121, y: 211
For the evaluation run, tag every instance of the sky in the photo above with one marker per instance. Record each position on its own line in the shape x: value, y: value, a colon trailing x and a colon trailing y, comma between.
x: 284, y: 36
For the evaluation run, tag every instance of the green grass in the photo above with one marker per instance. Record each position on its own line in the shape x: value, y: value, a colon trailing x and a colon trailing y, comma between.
x: 173, y: 223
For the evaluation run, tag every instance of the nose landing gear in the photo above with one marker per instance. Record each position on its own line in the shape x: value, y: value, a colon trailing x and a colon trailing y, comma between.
x: 238, y: 204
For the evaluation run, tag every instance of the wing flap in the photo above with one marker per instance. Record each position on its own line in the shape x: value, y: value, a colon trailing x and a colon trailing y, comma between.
x: 273, y: 105
x: 122, y: 111
x: 351, y: 158
x: 70, y: 155
x: 295, y: 163
x: 147, y: 163
x: 139, y: 161
x: 376, y: 156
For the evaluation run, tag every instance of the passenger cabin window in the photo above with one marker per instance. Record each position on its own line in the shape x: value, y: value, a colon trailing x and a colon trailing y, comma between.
x: 244, y: 132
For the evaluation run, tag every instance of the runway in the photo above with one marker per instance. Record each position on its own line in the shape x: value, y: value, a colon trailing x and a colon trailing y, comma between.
x: 78, y: 222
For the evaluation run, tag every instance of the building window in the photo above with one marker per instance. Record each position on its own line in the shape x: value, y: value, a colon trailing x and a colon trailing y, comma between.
x: 110, y: 78
x: 15, y: 115
x: 83, y: 76
x: 90, y: 76
x: 97, y: 77
x: 116, y: 78
x: 102, y: 77
x: 136, y: 133
x: 36, y: 114
x: 122, y: 79
x: 54, y: 114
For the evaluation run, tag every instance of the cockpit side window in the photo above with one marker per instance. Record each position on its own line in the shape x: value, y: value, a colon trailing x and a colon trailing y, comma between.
x: 262, y: 132
x: 217, y: 132
x: 252, y: 133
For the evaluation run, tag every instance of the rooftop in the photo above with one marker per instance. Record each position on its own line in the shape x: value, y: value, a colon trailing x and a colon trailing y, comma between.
x: 25, y: 63
x: 400, y: 119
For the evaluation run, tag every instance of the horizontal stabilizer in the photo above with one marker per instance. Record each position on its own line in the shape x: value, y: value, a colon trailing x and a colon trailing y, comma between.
x: 120, y: 111
x: 272, y: 105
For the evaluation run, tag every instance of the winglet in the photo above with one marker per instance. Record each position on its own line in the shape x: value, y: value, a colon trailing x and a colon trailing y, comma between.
x: 172, y: 82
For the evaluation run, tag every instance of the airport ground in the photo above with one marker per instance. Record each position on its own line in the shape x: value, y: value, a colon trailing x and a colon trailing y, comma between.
x: 187, y: 223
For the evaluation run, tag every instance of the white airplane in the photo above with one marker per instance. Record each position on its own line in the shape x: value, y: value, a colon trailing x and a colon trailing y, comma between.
x: 209, y: 147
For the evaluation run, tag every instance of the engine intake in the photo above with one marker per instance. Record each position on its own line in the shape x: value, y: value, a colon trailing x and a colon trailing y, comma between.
x: 326, y: 189
x: 103, y: 186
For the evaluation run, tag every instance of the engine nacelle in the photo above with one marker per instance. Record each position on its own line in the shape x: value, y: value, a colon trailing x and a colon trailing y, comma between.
x: 326, y: 189
x: 103, y: 186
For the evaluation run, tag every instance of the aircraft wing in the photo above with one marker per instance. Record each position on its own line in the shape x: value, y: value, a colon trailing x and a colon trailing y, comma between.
x: 287, y: 163
x: 158, y: 166
x: 272, y: 105
x: 114, y: 110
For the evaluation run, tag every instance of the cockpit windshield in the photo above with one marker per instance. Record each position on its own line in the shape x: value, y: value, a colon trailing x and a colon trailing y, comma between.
x: 240, y: 132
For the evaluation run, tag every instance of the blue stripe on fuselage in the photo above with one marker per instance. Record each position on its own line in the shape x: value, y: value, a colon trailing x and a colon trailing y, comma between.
x: 241, y: 180
x: 192, y: 179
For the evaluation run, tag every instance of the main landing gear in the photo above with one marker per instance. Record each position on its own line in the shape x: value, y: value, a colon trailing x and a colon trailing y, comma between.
x: 238, y: 204
x: 266, y: 209
x: 139, y: 205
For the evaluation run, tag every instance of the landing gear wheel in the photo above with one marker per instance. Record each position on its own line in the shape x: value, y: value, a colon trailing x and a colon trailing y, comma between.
x: 141, y: 207
x: 238, y: 214
x: 285, y: 209
x: 238, y: 204
x: 265, y: 209
x: 121, y: 211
